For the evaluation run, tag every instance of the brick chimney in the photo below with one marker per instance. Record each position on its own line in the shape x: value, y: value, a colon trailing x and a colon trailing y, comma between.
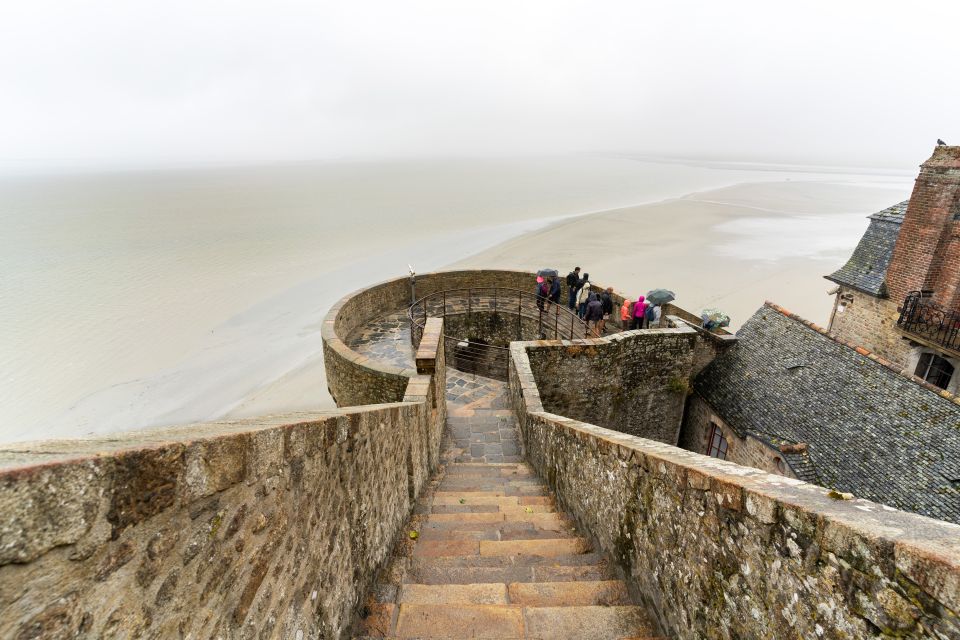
x: 927, y: 253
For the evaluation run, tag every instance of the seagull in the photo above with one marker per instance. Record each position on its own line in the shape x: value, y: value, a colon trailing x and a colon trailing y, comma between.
x: 941, y: 143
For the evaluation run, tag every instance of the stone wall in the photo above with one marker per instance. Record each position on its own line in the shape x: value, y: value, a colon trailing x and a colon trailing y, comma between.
x: 872, y: 324
x: 722, y: 551
x: 744, y: 449
x: 635, y: 382
x: 261, y: 528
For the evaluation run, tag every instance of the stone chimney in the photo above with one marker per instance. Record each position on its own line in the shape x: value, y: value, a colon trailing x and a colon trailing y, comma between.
x: 927, y: 253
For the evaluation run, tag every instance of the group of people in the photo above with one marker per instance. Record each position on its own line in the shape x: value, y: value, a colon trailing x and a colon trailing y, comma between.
x: 592, y: 307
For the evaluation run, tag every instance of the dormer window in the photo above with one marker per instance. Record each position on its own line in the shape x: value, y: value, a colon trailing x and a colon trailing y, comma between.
x: 935, y: 370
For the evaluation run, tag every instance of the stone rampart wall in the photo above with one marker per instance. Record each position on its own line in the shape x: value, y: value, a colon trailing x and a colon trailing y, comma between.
x: 272, y: 527
x: 723, y: 551
x: 633, y: 382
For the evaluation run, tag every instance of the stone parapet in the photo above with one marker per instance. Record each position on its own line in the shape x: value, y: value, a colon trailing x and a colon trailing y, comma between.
x: 354, y: 379
x: 266, y: 527
x: 722, y: 551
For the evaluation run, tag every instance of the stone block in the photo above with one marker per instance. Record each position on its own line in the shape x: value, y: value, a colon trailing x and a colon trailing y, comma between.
x: 44, y: 507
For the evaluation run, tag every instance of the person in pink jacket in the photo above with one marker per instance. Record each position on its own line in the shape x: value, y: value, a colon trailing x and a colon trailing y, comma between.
x: 639, y: 313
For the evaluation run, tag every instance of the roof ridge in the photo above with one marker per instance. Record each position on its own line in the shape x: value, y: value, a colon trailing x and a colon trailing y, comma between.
x: 883, y: 362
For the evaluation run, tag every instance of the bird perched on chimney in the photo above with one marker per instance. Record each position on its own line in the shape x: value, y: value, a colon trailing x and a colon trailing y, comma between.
x: 941, y: 143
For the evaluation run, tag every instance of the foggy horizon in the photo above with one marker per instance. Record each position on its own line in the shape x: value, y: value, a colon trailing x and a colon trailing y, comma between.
x: 111, y: 86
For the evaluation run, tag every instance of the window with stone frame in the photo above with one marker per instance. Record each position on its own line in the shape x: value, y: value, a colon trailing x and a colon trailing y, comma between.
x: 716, y: 443
x: 935, y: 370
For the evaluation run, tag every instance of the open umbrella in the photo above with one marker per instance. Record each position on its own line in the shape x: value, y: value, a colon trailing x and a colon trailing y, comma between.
x: 714, y: 318
x: 548, y: 273
x: 660, y: 296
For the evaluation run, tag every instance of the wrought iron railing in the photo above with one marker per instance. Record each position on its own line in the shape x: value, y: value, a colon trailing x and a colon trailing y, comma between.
x: 923, y: 318
x: 531, y: 313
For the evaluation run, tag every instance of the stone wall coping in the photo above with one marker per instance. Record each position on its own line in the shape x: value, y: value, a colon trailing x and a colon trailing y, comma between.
x: 926, y: 550
x: 723, y: 339
x: 883, y: 362
x: 48, y: 453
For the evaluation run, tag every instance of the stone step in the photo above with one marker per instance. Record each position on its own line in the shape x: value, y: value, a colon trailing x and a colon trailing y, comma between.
x: 512, y: 621
x: 504, y: 531
x: 544, y: 548
x: 467, y: 621
x: 587, y: 623
x: 564, y: 560
x: 539, y: 521
x: 454, y: 594
x: 567, y: 594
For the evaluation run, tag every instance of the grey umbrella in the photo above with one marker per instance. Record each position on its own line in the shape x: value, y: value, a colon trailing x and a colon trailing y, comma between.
x: 548, y: 273
x: 660, y: 296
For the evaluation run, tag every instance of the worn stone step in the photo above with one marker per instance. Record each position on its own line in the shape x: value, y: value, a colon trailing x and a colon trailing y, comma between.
x: 546, y: 547
x: 567, y: 594
x: 560, y: 527
x: 455, y: 594
x: 586, y: 623
x: 465, y: 621
x: 439, y: 548
x: 432, y: 574
x: 458, y: 518
x: 468, y: 498
x: 465, y: 508
x: 527, y: 508
x: 562, y: 560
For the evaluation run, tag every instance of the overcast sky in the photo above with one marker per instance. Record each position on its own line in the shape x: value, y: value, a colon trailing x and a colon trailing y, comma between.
x: 101, y: 81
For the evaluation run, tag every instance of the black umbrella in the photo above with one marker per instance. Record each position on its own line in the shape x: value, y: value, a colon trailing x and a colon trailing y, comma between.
x: 660, y: 296
x: 548, y: 273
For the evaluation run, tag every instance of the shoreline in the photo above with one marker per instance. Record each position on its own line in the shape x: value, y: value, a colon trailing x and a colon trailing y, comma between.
x: 266, y: 357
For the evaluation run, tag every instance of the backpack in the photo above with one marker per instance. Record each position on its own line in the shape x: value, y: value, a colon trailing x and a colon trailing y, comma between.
x: 651, y: 313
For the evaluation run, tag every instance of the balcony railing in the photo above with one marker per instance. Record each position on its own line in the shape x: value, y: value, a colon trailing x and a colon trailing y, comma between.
x: 930, y: 322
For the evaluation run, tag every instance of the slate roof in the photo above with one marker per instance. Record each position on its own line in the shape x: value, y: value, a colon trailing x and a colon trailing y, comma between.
x: 866, y: 270
x: 869, y: 430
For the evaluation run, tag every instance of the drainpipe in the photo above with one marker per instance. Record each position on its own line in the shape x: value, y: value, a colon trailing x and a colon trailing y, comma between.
x: 835, y: 292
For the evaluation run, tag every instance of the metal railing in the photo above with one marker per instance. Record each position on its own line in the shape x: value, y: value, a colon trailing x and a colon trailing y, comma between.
x: 526, y: 314
x: 923, y: 318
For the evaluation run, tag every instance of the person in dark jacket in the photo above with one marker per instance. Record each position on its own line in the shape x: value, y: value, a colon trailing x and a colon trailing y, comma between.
x: 606, y: 300
x: 573, y: 280
x: 554, y: 292
x: 542, y: 291
x: 593, y: 314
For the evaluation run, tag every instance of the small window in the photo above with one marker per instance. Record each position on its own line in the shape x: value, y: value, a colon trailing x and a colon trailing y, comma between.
x: 935, y: 370
x: 717, y: 443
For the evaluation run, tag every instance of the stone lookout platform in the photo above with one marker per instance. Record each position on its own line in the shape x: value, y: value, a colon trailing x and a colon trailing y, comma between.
x: 478, y: 481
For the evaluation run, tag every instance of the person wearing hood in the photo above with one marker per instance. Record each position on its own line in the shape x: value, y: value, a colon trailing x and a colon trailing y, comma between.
x: 583, y: 295
x: 594, y: 314
x: 639, y: 313
x: 626, y: 314
x: 554, y: 292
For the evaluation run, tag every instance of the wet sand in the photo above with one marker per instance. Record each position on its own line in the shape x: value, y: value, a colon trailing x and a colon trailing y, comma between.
x: 730, y: 248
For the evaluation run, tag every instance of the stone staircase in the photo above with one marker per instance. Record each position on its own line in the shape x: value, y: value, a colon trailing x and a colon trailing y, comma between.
x: 490, y: 556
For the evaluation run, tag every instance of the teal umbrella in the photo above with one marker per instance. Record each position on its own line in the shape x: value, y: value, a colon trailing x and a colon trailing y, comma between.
x: 660, y: 296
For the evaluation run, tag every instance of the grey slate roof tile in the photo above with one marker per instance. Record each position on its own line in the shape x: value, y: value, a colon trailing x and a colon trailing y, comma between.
x: 866, y: 270
x: 869, y: 430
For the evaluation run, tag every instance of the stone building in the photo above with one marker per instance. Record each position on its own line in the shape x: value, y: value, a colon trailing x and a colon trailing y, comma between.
x: 787, y: 398
x: 899, y: 294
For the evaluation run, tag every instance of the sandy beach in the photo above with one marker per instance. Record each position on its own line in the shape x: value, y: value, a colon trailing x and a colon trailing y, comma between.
x: 136, y: 300
x: 729, y: 248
